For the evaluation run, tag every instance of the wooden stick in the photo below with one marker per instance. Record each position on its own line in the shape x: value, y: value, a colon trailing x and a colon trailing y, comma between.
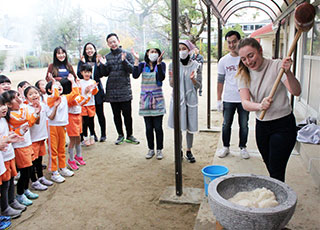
x: 276, y: 83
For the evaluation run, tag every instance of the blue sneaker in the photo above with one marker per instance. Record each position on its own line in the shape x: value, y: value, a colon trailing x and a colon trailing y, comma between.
x: 30, y: 195
x: 5, y: 225
x: 22, y: 199
x: 5, y: 218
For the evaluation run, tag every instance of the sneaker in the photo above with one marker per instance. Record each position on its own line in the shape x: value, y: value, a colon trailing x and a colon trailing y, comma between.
x: 22, y: 199
x: 79, y: 160
x: 120, y: 140
x: 30, y: 195
x: 5, y: 218
x: 223, y: 152
x: 5, y: 224
x: 93, y: 140
x: 150, y: 154
x: 66, y: 172
x: 190, y: 158
x: 56, y: 177
x: 103, y: 139
x: 13, y: 213
x: 17, y: 177
x: 45, y: 181
x: 72, y: 165
x: 38, y: 186
x: 16, y: 205
x: 159, y: 154
x: 131, y: 139
x: 244, y: 153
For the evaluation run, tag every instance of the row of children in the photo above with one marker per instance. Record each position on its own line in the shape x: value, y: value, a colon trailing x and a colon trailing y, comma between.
x: 28, y: 118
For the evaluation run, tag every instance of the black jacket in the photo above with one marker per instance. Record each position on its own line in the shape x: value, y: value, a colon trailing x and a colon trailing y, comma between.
x: 118, y: 87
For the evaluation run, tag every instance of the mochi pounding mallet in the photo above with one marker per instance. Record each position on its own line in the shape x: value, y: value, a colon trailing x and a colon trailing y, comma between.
x: 304, y: 19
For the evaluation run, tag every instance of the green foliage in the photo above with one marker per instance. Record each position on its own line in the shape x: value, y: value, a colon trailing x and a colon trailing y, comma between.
x: 237, y: 28
x: 2, y: 59
x: 32, y: 61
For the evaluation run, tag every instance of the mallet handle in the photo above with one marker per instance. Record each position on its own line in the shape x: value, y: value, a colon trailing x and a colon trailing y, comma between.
x: 278, y: 79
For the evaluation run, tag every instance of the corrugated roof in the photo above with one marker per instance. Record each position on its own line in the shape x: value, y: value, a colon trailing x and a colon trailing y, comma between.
x: 223, y: 9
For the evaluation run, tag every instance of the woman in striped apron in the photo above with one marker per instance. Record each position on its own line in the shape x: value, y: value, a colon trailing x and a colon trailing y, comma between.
x: 152, y: 106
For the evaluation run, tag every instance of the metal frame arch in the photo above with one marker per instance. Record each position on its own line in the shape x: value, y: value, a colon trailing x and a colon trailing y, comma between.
x: 227, y: 18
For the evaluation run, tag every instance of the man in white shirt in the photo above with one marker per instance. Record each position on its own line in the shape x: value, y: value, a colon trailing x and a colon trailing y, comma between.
x: 227, y: 84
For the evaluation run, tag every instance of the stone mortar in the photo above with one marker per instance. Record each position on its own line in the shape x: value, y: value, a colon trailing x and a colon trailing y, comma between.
x: 236, y: 217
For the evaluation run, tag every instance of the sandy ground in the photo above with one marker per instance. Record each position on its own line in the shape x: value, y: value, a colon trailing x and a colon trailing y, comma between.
x: 119, y: 188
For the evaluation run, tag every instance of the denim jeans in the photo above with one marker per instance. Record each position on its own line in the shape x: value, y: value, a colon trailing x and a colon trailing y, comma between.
x: 229, y: 109
x: 275, y: 140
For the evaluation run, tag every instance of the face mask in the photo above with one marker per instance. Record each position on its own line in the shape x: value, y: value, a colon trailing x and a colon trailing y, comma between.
x: 153, y: 57
x: 183, y: 54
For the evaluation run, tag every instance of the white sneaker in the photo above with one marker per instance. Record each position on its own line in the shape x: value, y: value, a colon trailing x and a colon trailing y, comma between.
x: 66, y: 172
x: 223, y: 152
x: 244, y: 153
x: 56, y: 177
x: 150, y: 154
x: 38, y: 186
x: 45, y: 182
x: 159, y: 154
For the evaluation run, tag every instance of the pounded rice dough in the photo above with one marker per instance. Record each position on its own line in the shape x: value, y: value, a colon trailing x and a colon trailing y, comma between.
x: 258, y: 198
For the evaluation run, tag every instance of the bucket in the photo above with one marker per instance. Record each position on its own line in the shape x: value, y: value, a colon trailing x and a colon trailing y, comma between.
x: 212, y: 172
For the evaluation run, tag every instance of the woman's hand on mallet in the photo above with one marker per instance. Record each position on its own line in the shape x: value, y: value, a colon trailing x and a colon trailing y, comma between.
x: 265, y: 104
x: 286, y: 64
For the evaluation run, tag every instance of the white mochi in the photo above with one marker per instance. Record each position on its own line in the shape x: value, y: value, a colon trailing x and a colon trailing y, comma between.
x: 258, y: 198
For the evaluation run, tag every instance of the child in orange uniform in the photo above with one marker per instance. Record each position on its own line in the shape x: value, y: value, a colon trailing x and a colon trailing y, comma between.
x: 57, y: 128
x: 20, y: 120
x: 74, y: 128
x: 9, y: 205
x: 88, y: 110
x: 39, y: 134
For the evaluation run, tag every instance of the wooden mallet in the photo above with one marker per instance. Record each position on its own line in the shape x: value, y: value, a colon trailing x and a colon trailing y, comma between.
x: 304, y: 19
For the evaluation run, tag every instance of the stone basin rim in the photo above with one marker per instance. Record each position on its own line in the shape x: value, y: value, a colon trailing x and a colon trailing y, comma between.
x: 290, y: 201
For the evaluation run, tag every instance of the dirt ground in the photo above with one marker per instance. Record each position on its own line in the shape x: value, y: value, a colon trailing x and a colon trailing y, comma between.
x: 119, y: 188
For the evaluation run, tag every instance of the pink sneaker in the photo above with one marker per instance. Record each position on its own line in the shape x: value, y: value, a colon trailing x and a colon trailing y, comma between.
x: 72, y: 165
x: 79, y: 160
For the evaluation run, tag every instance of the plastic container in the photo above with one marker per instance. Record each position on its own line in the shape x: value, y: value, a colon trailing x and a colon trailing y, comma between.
x: 212, y: 172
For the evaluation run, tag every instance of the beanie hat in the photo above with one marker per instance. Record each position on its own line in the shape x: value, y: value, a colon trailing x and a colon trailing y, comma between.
x: 188, y: 44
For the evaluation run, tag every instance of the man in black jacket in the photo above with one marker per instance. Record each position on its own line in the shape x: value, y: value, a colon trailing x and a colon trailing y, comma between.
x: 117, y: 66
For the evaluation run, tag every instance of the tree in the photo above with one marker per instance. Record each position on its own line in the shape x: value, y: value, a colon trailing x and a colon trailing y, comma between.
x: 192, y: 18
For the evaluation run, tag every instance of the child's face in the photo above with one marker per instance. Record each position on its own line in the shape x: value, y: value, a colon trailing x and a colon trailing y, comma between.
x: 15, y: 103
x: 58, y: 84
x: 5, y: 86
x: 42, y: 87
x: 21, y: 89
x: 33, y: 96
x: 3, y: 110
x: 86, y: 75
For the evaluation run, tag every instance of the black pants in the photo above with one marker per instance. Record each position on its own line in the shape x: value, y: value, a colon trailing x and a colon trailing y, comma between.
x: 23, y: 182
x: 101, y: 119
x: 275, y: 140
x: 7, y: 193
x: 125, y: 109
x: 87, y: 122
x: 154, y: 124
x: 36, y: 168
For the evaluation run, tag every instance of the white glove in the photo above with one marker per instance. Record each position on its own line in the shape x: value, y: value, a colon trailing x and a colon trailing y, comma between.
x: 219, y: 106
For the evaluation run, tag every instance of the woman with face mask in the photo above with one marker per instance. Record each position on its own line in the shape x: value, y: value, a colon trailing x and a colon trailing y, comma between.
x: 152, y: 106
x: 190, y: 82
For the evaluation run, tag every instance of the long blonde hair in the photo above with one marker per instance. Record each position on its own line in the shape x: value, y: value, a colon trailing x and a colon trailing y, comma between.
x: 243, y: 71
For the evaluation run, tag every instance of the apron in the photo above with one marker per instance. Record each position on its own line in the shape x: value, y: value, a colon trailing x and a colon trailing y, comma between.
x: 151, y: 96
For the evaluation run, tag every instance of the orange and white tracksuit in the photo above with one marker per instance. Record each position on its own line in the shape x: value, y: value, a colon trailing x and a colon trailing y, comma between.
x: 39, y: 132
x: 57, y: 128
x: 74, y: 128
x: 23, y: 150
x: 88, y: 108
